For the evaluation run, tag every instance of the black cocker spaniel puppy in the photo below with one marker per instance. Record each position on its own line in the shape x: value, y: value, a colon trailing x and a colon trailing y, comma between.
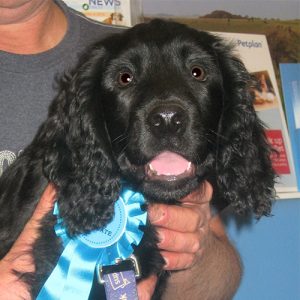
x: 160, y: 105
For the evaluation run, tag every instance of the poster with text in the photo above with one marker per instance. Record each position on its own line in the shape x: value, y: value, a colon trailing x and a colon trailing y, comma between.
x: 112, y: 12
x: 254, y: 51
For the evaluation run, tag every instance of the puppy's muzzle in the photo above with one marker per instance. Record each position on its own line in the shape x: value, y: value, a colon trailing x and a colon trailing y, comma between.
x: 167, y: 120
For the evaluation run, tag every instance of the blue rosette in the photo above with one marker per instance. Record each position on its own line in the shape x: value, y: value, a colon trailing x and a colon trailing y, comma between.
x: 72, y: 277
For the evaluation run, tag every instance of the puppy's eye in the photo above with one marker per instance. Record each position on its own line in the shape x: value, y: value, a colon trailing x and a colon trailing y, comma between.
x: 198, y: 73
x: 125, y: 78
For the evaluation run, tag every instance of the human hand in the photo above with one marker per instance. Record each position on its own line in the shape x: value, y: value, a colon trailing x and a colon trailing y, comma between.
x: 183, y: 232
x: 19, y: 258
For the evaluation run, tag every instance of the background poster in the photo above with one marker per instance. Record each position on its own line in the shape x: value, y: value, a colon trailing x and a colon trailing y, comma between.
x: 254, y: 52
x: 290, y: 76
x: 117, y: 12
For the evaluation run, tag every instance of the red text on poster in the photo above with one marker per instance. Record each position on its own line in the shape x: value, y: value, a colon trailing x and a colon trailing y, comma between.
x: 279, y: 159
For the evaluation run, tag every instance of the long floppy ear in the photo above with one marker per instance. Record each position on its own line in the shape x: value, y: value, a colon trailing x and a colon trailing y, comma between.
x: 245, y: 177
x: 79, y: 157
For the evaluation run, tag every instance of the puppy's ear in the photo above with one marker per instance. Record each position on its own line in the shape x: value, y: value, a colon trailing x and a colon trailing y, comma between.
x: 245, y: 177
x: 79, y: 158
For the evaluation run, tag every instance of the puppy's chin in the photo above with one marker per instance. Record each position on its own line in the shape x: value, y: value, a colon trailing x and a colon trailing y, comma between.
x: 162, y: 181
x: 168, y: 191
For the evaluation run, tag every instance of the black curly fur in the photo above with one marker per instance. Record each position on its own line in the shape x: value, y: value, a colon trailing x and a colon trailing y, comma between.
x: 245, y: 177
x: 97, y: 132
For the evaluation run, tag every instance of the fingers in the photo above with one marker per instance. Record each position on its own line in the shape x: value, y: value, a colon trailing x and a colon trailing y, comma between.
x: 145, y: 287
x: 178, y: 261
x: 180, y: 250
x: 178, y: 218
x: 194, y: 212
x: 183, y: 229
x: 179, y: 242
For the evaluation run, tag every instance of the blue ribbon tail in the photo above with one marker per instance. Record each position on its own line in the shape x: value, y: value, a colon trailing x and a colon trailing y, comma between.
x: 72, y: 278
x: 54, y: 285
x: 81, y: 273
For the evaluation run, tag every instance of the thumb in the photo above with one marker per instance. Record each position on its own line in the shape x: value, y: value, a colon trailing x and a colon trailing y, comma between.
x: 46, y: 203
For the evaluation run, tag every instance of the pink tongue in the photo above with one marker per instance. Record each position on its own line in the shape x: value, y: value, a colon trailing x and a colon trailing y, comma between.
x: 169, y: 163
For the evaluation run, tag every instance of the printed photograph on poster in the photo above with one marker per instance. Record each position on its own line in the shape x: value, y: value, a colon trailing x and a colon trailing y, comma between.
x: 265, y: 97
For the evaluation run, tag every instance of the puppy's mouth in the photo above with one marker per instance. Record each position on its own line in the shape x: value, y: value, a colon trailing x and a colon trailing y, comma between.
x: 169, y: 166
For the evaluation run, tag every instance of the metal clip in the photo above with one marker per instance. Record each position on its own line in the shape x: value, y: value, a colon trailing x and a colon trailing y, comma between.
x: 132, y: 258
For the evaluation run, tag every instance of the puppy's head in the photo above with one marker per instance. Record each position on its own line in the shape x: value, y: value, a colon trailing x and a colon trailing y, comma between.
x: 178, y: 110
x: 170, y: 106
x: 162, y: 93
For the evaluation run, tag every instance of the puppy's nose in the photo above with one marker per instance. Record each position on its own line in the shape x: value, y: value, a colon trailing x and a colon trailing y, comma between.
x: 169, y: 119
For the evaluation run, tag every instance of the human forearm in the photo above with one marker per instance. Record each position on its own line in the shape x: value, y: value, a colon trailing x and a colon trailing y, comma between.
x: 215, y: 275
